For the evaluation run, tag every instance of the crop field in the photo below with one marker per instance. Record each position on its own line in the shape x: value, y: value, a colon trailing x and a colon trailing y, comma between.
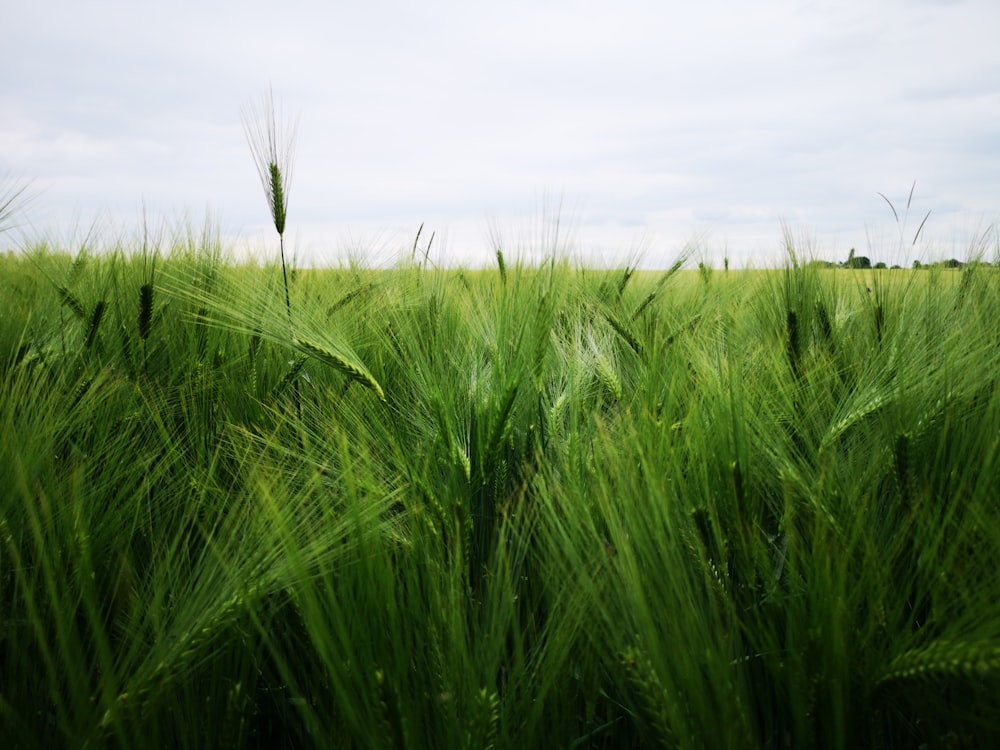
x: 524, y: 507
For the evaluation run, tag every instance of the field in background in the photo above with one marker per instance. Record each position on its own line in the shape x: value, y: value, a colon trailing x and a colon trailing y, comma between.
x: 524, y: 507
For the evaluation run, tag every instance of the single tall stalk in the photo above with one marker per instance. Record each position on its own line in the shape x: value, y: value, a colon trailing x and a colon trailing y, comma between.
x: 272, y: 145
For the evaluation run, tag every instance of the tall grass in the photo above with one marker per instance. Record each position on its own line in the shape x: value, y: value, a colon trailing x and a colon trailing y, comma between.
x: 524, y: 507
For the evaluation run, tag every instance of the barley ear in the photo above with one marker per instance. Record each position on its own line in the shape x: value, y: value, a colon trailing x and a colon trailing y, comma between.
x: 502, y: 265
x: 968, y: 661
x: 271, y: 146
x: 95, y: 323
x: 353, y: 370
x: 623, y: 330
x: 145, y: 310
x: 71, y: 301
x: 278, y: 206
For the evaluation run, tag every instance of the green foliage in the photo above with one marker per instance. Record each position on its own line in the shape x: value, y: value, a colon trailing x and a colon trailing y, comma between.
x: 523, y: 507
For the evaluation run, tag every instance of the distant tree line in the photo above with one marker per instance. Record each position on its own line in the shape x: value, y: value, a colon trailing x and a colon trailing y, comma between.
x: 863, y: 262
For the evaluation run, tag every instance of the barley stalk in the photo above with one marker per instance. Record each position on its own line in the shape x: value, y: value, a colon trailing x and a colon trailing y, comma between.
x: 272, y: 147
x: 289, y: 378
x: 272, y: 150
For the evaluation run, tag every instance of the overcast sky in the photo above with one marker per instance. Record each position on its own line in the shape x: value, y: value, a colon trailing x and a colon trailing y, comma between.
x: 641, y: 126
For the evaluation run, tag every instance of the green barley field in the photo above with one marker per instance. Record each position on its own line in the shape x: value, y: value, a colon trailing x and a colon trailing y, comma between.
x: 524, y: 507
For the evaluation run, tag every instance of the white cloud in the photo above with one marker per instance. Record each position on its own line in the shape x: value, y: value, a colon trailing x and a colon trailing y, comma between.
x: 715, y: 120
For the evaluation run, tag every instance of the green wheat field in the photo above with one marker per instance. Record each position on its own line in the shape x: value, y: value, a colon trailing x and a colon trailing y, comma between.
x: 533, y: 506
x: 524, y: 507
